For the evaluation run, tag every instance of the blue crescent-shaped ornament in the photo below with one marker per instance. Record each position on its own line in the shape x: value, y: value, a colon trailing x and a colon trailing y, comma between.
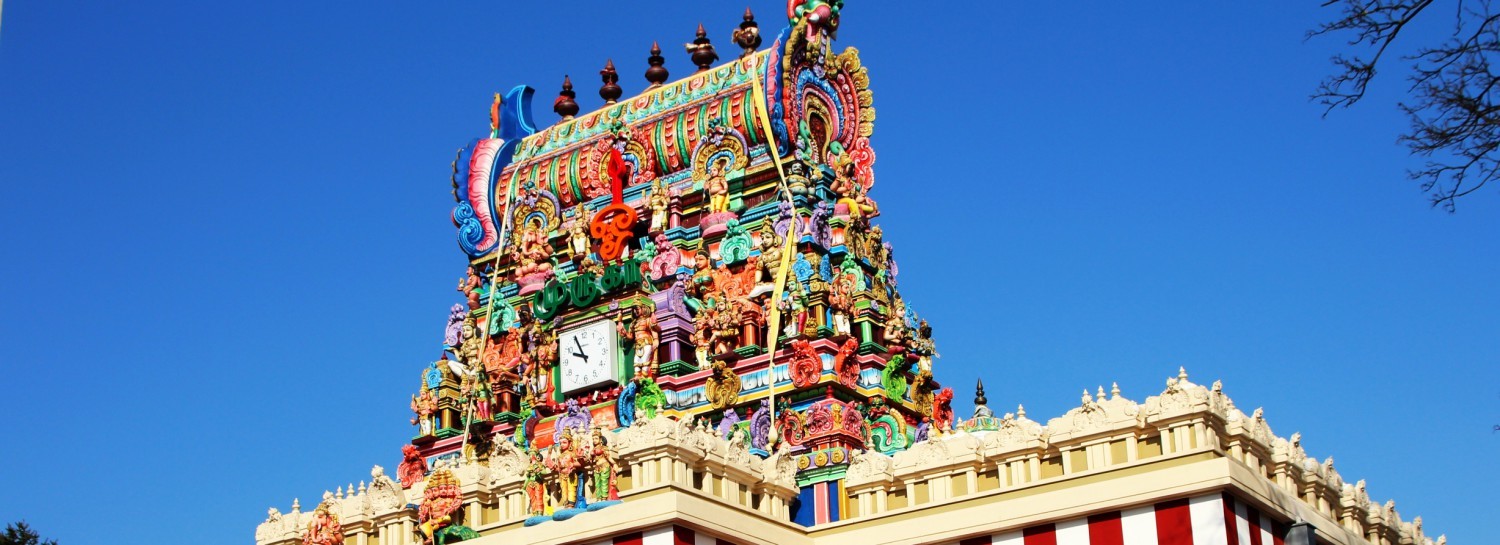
x: 480, y: 165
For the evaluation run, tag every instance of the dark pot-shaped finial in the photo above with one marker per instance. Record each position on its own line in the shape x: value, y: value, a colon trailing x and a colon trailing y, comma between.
x: 656, y: 74
x: 747, y: 36
x: 611, y: 90
x: 702, y: 50
x: 565, y: 105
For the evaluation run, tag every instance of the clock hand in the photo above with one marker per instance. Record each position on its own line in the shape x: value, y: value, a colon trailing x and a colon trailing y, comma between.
x: 580, y: 348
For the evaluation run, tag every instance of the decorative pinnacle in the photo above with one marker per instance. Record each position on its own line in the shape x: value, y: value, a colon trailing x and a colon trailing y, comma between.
x: 747, y: 36
x: 1100, y: 395
x: 702, y: 50
x: 1020, y: 411
x: 978, y: 383
x: 1181, y: 373
x: 1114, y: 390
x: 656, y: 74
x: 565, y: 106
x: 610, y: 91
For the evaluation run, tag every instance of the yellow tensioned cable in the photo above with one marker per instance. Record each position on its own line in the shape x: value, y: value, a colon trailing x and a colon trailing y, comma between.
x: 494, y: 293
x: 788, y: 246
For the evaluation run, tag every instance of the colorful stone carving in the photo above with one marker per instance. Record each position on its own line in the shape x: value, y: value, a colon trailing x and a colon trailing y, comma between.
x: 722, y: 385
x: 805, y: 366
x: 605, y: 468
x: 413, y: 466
x: 694, y: 173
x: 844, y: 364
x: 439, y: 511
x: 324, y: 528
x: 425, y: 407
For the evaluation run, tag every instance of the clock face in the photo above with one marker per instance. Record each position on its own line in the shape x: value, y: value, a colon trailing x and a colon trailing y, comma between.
x: 587, y: 354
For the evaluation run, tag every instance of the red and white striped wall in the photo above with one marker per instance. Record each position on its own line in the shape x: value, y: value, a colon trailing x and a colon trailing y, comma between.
x: 665, y: 535
x: 1215, y: 519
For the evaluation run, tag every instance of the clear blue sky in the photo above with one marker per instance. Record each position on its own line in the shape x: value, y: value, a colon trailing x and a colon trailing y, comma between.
x: 227, y: 253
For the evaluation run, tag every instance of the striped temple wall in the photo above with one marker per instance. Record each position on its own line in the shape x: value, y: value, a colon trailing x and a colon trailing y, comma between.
x: 664, y: 535
x: 1216, y: 519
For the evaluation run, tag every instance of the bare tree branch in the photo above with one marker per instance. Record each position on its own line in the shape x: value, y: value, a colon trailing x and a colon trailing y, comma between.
x: 1452, y: 109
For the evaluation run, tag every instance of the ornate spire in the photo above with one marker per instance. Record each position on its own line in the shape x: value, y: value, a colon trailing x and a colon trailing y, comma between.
x: 610, y: 91
x: 702, y: 50
x: 565, y: 106
x: 656, y: 74
x: 980, y: 409
x: 748, y: 35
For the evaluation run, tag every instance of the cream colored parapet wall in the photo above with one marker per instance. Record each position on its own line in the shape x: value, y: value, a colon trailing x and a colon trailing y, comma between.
x: 1114, y: 434
x: 1108, y: 453
x: 659, y: 453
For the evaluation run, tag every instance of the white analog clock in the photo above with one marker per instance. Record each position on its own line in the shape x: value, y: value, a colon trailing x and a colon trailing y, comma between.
x: 588, y: 356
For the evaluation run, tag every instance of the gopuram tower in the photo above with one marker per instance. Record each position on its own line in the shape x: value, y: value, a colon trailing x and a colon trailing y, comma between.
x: 680, y: 326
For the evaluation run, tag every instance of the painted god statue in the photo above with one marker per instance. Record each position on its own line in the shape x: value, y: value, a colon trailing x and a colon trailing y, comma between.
x: 717, y: 186
x: 469, y: 286
x: 578, y: 232
x: 605, y: 468
x: 568, y: 462
x: 645, y: 335
x: 324, y: 529
x: 659, y: 202
x: 425, y: 407
x: 538, y: 473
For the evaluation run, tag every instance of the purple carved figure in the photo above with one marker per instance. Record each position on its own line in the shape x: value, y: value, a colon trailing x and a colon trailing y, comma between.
x: 760, y: 426
x: 453, y: 334
x: 576, y: 418
x: 726, y: 425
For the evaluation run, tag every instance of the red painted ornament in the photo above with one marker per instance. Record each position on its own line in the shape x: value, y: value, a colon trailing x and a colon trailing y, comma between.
x: 613, y: 225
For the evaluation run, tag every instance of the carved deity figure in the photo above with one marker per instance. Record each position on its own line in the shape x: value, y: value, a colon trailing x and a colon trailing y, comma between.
x: 895, y: 328
x: 534, y: 252
x: 717, y: 186
x: 726, y: 327
x: 543, y: 355
x: 324, y: 529
x: 605, y: 468
x: 477, y: 394
x: 841, y: 302
x: 425, y: 406
x: 659, y: 203
x: 469, y: 286
x: 770, y: 251
x: 468, y: 348
x: 644, y: 334
x: 567, y: 462
x: 703, y: 334
x: 578, y: 232
x: 440, y: 502
x: 537, y: 474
